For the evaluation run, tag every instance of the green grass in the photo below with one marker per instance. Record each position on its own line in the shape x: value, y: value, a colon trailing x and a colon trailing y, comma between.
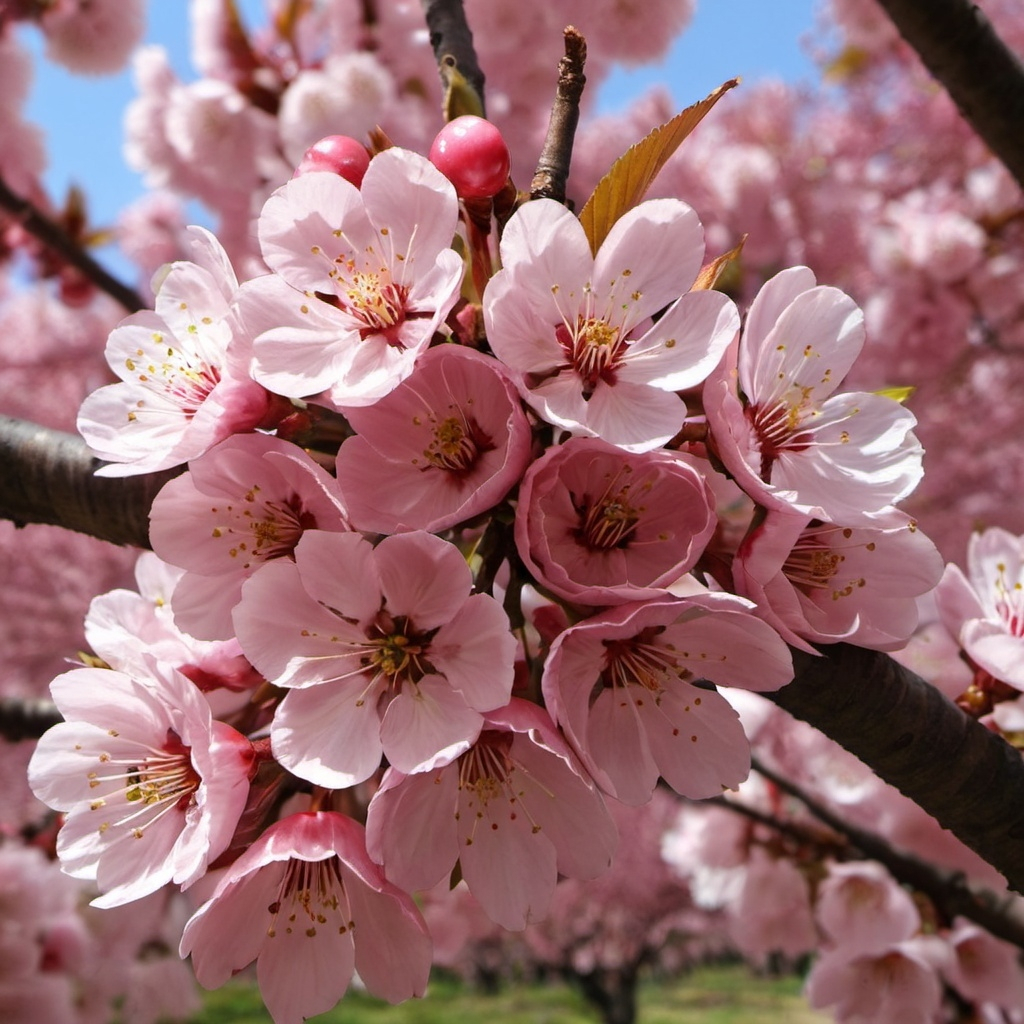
x: 711, y: 995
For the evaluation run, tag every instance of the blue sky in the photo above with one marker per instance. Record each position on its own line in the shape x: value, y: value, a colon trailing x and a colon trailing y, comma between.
x: 82, y: 116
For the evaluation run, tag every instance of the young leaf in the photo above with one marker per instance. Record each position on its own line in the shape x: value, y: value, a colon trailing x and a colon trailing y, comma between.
x: 631, y: 175
x: 709, y: 274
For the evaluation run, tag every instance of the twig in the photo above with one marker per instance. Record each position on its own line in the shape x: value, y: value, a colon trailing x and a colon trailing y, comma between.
x: 552, y: 175
x: 985, y: 78
x: 55, y: 238
x: 948, y: 891
x: 47, y: 476
x: 450, y: 36
x: 26, y: 719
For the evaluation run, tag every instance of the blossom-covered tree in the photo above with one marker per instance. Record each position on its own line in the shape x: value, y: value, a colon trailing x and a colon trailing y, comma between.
x: 477, y: 519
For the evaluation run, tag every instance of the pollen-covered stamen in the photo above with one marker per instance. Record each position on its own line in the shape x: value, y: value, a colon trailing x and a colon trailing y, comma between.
x: 310, y: 898
x: 639, y: 661
x: 812, y: 564
x: 610, y: 520
x: 397, y: 652
x: 457, y: 444
x: 152, y: 781
x: 185, y: 381
x: 779, y: 425
x: 487, y: 775
x: 593, y: 348
x: 281, y: 526
x: 1009, y: 601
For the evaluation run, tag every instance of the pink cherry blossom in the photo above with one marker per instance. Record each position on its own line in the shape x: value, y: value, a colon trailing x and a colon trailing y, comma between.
x: 310, y: 907
x: 789, y: 442
x: 984, y: 609
x: 184, y: 384
x: 898, y: 984
x: 599, y: 525
x: 624, y: 687
x: 576, y: 329
x: 447, y: 444
x: 516, y: 811
x: 383, y: 650
x: 983, y: 968
x: 863, y: 909
x: 362, y: 279
x: 771, y: 912
x: 823, y: 583
x: 126, y: 628
x: 93, y: 37
x: 244, y: 503
x: 151, y: 786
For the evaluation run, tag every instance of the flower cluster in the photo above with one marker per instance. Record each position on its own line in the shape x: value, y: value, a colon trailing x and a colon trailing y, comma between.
x: 470, y: 589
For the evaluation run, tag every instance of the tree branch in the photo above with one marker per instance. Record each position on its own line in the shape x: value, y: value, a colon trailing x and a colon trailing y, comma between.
x: 55, y: 238
x: 450, y: 36
x: 911, y: 736
x: 947, y: 890
x: 552, y: 174
x: 47, y: 476
x: 984, y: 77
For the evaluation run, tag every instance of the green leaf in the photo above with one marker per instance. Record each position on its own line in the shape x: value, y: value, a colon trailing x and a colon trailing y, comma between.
x: 631, y: 175
x: 897, y: 394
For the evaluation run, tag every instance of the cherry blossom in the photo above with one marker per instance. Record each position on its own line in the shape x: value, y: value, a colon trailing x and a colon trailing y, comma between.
x: 184, y: 381
x: 630, y: 688
x: 599, y: 525
x: 984, y: 609
x: 447, y: 444
x: 254, y: 496
x: 362, y: 279
x: 790, y: 443
x: 576, y: 329
x: 151, y: 786
x: 862, y: 908
x: 383, y: 650
x: 515, y: 810
x: 898, y: 984
x: 824, y: 583
x: 309, y: 906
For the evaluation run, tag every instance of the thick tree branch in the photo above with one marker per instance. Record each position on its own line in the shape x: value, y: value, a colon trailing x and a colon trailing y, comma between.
x: 947, y: 890
x: 450, y: 36
x: 55, y: 238
x: 960, y: 48
x: 912, y: 737
x: 47, y: 476
x: 549, y: 182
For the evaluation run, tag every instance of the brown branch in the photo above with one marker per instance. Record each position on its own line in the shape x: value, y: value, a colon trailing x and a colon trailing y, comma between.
x: 47, y: 476
x: 552, y: 175
x: 55, y: 238
x: 451, y: 37
x: 984, y: 77
x: 26, y: 719
x: 947, y: 890
x: 912, y: 737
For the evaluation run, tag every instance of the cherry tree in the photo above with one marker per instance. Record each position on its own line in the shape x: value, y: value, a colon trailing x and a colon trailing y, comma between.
x: 487, y: 500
